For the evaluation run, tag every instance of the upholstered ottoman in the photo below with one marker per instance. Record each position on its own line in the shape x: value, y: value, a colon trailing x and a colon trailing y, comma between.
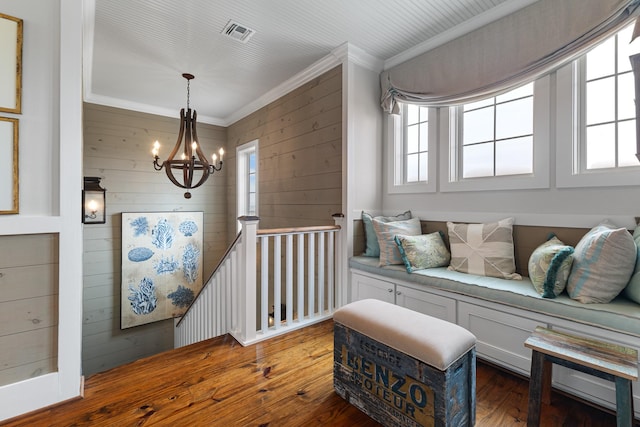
x: 404, y: 368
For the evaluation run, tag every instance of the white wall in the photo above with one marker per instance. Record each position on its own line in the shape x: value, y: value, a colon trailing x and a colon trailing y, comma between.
x: 361, y: 145
x: 50, y: 180
x: 39, y: 120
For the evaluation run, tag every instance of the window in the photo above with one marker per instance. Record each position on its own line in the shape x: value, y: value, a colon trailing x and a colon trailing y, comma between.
x: 608, y: 112
x: 498, y: 143
x: 416, y: 142
x: 412, y: 152
x: 247, y: 156
x: 596, y: 117
x: 497, y: 135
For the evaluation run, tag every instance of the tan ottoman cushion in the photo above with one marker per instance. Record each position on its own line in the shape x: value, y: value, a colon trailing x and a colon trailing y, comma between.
x: 435, y: 342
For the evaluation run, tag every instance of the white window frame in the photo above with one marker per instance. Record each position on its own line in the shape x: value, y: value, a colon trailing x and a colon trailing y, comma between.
x: 450, y: 175
x: 242, y: 160
x: 396, y: 156
x: 570, y: 171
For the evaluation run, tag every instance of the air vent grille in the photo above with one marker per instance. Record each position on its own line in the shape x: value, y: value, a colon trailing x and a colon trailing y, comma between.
x: 237, y: 32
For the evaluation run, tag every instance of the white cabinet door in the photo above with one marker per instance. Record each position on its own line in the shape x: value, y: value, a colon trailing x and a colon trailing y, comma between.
x: 500, y: 336
x: 368, y: 287
x: 426, y: 303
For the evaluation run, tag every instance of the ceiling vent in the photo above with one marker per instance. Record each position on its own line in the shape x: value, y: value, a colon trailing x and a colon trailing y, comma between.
x: 237, y: 32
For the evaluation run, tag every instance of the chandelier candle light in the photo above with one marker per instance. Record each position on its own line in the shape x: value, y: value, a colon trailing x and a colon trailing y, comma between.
x: 192, y: 159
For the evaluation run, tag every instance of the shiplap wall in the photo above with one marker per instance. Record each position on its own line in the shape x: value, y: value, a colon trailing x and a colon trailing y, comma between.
x: 28, y: 306
x: 117, y: 148
x: 300, y: 155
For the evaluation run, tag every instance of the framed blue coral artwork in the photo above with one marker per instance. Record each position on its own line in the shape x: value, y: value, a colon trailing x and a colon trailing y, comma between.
x: 161, y: 265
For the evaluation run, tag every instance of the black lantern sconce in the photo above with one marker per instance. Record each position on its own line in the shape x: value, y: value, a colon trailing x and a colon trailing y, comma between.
x: 94, y: 201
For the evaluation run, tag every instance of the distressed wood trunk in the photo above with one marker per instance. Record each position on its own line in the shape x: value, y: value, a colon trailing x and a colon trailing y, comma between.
x: 397, y: 390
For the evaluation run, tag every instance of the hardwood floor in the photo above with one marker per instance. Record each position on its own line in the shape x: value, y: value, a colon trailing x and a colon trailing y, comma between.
x: 286, y: 381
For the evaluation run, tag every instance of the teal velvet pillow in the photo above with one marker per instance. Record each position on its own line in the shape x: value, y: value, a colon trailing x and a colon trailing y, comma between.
x: 549, y: 267
x: 372, y: 247
x: 386, y: 232
x: 632, y: 290
x: 423, y: 251
x: 603, y: 263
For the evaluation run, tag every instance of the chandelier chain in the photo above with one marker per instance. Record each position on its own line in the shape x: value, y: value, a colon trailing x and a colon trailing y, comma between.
x: 188, y: 92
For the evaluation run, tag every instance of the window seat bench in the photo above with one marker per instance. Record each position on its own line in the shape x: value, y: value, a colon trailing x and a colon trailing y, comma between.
x: 621, y: 314
x: 502, y: 314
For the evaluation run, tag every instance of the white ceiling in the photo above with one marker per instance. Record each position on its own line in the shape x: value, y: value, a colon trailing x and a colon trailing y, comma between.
x: 137, y: 50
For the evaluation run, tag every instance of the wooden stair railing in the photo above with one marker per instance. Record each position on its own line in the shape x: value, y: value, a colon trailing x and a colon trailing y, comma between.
x: 290, y: 274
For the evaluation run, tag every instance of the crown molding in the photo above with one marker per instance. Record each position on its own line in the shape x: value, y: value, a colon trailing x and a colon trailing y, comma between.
x: 314, y: 70
x: 146, y: 108
x: 348, y: 52
x: 493, y: 14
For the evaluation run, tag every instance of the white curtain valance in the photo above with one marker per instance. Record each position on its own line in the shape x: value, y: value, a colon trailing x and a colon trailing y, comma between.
x: 511, y: 51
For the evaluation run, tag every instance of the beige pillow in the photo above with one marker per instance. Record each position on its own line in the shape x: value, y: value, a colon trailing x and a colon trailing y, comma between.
x: 483, y: 249
x: 386, y: 231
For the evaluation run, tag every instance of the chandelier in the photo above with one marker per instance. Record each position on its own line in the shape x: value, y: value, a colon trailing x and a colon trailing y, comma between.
x: 192, y: 168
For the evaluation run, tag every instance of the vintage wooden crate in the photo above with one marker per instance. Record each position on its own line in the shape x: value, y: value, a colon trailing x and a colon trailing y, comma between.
x: 396, y: 389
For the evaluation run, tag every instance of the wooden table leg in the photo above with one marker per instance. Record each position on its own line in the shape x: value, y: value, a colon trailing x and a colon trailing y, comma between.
x: 547, y: 373
x: 624, y: 403
x: 535, y: 388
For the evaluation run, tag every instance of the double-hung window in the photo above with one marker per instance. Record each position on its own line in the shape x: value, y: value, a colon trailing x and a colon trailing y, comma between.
x: 247, y: 164
x: 496, y: 135
x: 596, y: 117
x: 498, y: 143
x: 608, y: 111
x: 412, y: 153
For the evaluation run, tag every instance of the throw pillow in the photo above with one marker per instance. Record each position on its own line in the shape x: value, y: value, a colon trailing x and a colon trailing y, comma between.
x: 423, y: 251
x: 549, y: 267
x: 483, y: 249
x: 386, y: 231
x: 372, y: 248
x: 602, y: 264
x: 632, y: 291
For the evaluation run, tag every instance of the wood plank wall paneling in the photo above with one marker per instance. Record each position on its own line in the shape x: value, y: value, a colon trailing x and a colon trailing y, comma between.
x: 117, y: 148
x: 300, y: 155
x: 28, y: 306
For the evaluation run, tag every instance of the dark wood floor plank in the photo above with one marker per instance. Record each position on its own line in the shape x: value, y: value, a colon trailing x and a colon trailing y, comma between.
x: 285, y: 381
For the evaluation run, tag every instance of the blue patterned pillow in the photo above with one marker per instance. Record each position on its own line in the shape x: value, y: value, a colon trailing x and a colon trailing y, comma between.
x: 372, y: 248
x: 549, y: 267
x: 386, y: 232
x: 603, y: 262
x: 424, y: 251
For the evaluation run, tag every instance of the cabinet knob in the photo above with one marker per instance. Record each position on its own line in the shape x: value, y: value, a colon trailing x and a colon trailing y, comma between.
x: 389, y: 290
x: 398, y: 293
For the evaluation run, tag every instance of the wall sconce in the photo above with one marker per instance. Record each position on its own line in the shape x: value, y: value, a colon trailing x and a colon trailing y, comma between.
x: 94, y: 201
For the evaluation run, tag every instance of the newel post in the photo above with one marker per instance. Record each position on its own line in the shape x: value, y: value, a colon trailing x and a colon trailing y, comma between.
x: 340, y: 261
x: 247, y: 284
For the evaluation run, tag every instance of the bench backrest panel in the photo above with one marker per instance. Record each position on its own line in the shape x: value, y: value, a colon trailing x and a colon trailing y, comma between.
x: 526, y: 238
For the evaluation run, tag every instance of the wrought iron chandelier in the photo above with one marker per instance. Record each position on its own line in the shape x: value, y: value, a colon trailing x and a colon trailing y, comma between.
x: 192, y: 166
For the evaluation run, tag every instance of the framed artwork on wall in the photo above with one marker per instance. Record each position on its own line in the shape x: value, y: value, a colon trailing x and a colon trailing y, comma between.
x: 10, y: 64
x: 8, y: 165
x: 161, y: 265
